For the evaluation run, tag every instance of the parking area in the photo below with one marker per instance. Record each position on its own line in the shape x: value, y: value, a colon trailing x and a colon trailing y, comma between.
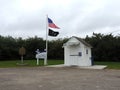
x: 62, y: 78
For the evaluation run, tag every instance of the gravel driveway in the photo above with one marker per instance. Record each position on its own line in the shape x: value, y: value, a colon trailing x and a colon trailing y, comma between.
x: 65, y: 78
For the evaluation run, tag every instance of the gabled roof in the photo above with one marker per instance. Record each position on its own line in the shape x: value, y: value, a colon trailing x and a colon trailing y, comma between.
x: 84, y: 42
x: 81, y: 40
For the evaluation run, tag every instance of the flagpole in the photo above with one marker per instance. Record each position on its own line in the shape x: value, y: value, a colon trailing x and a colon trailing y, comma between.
x: 45, y: 60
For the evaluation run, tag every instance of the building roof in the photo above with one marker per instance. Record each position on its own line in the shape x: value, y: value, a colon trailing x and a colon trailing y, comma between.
x: 81, y: 40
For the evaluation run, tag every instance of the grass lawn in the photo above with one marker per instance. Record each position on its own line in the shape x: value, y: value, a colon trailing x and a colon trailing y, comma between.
x: 32, y: 63
x: 110, y: 65
x: 29, y: 63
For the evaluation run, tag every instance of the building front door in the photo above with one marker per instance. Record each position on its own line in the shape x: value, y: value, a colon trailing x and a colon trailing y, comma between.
x: 74, y: 55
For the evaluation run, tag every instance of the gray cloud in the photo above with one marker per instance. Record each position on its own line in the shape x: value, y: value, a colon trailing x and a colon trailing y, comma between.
x: 74, y: 17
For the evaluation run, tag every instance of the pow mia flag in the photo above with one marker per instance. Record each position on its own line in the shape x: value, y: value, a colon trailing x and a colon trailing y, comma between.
x: 52, y: 33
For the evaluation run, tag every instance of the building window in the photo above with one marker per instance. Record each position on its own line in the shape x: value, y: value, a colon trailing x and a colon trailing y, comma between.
x: 86, y: 51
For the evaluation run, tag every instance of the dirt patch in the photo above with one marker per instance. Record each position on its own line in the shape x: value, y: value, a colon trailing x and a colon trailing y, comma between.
x: 66, y: 78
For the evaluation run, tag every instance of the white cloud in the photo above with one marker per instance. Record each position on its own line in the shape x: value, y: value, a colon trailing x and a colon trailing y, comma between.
x: 74, y: 17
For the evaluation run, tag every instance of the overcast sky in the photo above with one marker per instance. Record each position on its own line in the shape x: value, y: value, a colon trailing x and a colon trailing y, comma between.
x: 27, y: 18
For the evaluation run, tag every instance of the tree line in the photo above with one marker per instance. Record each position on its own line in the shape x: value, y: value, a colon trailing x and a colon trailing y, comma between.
x: 105, y: 47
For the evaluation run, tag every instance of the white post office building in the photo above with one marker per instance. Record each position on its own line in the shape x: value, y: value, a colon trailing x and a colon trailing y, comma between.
x: 77, y: 52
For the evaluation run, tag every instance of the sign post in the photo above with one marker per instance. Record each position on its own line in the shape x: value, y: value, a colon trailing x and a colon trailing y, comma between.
x: 22, y: 52
x: 40, y: 55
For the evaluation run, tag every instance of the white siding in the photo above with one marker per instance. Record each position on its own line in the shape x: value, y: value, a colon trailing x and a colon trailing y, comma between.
x: 66, y: 56
x: 86, y: 61
x: 71, y: 54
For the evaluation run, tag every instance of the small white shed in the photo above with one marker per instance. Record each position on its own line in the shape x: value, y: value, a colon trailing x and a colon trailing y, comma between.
x: 77, y: 52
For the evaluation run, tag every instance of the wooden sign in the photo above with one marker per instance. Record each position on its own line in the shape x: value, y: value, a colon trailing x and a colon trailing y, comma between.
x: 22, y: 51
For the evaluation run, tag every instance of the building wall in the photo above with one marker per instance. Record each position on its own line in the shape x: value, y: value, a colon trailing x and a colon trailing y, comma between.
x: 66, y: 56
x: 71, y: 54
x: 86, y: 57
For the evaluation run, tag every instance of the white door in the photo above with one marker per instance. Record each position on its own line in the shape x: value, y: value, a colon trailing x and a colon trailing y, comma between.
x: 74, y: 55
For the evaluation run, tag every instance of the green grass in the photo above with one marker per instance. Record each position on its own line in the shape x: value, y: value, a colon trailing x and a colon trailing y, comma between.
x: 110, y: 65
x: 32, y: 63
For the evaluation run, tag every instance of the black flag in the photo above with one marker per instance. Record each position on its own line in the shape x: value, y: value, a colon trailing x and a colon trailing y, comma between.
x: 52, y: 33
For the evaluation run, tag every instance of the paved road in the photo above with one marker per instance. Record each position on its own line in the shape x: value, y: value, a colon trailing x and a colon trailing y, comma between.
x: 48, y: 78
